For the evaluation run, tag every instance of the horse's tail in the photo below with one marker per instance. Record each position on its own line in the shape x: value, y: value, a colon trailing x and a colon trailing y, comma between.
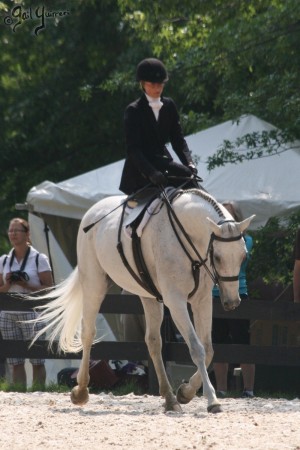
x: 63, y: 314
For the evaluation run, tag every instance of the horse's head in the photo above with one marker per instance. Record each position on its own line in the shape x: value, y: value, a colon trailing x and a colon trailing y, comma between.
x: 227, y: 252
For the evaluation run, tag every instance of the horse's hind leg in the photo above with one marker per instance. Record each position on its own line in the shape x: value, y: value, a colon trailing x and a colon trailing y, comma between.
x: 154, y: 313
x: 79, y: 394
x: 94, y: 291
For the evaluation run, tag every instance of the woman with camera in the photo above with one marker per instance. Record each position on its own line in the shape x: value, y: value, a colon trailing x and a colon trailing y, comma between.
x: 23, y: 270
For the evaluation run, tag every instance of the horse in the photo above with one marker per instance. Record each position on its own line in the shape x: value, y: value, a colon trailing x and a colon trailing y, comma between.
x: 188, y: 245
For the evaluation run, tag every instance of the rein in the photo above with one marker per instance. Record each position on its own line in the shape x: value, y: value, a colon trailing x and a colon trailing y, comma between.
x: 196, y: 265
x: 144, y: 278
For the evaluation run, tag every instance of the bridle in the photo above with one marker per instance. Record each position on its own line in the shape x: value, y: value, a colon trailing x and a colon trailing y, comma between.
x: 213, y: 237
x: 201, y: 262
x: 143, y: 278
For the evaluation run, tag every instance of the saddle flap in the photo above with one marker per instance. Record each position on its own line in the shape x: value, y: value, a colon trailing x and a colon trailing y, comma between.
x: 143, y: 201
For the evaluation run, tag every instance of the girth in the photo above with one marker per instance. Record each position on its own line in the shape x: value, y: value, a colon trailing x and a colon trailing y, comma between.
x: 144, y: 278
x: 142, y: 267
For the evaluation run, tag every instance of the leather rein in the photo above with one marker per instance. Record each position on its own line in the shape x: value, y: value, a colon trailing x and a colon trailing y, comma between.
x: 197, y: 264
x: 145, y: 279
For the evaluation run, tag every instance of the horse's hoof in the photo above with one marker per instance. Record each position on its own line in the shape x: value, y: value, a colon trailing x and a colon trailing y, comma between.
x: 173, y: 407
x: 181, y: 394
x: 79, y: 396
x: 214, y: 409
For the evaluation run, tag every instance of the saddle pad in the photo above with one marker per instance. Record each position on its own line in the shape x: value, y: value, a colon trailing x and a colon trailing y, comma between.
x: 152, y: 209
x: 142, y: 200
x: 147, y: 209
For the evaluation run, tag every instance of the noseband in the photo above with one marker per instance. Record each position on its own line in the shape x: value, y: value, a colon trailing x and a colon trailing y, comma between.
x: 216, y: 276
x: 196, y: 265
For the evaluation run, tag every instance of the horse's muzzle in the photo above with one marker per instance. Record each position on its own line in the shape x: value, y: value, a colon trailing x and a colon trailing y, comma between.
x: 230, y: 305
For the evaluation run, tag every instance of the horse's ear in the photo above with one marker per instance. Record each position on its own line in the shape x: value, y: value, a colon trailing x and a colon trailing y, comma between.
x: 214, y: 227
x: 245, y: 223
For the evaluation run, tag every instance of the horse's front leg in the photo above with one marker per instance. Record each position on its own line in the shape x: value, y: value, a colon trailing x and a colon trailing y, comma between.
x: 187, y: 391
x: 154, y: 313
x: 80, y: 393
x: 202, y: 317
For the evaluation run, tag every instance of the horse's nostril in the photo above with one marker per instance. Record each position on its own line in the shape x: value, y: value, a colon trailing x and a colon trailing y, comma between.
x: 229, y: 306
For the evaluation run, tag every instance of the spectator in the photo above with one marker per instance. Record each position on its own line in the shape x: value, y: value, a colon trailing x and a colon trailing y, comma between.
x: 225, y: 331
x: 296, y: 273
x: 23, y: 270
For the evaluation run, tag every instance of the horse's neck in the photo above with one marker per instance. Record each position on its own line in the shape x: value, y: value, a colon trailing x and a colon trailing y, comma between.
x: 197, y: 205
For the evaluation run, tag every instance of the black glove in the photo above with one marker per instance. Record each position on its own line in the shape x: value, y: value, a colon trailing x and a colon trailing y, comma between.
x: 158, y: 178
x: 193, y: 169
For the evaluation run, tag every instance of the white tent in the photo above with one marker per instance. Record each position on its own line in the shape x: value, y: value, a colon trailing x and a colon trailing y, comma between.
x: 266, y: 186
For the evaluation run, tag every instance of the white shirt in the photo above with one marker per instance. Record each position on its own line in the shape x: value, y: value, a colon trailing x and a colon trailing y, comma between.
x: 30, y: 268
x: 155, y: 104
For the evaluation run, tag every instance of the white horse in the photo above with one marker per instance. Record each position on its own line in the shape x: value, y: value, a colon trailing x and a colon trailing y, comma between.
x: 204, y: 240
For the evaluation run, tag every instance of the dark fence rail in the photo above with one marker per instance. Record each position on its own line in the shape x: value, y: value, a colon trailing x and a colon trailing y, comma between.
x: 172, y: 351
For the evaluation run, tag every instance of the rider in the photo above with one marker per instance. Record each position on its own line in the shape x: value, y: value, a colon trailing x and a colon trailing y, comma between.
x: 151, y: 122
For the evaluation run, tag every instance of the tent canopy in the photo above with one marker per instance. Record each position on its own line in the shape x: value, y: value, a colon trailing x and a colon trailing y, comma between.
x: 266, y: 187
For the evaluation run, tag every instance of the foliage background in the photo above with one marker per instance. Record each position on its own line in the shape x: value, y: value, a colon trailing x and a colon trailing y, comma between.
x: 63, y: 91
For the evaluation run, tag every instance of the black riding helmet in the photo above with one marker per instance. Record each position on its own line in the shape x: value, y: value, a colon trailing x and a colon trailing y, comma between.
x: 152, y: 70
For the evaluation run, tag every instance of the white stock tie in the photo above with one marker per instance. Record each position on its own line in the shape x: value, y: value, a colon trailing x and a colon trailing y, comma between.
x: 155, y: 104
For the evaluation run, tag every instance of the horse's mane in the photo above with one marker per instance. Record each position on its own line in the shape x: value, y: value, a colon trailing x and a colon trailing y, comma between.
x: 206, y: 196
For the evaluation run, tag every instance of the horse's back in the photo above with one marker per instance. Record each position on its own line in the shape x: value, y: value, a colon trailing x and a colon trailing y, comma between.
x: 101, y: 209
x: 97, y: 223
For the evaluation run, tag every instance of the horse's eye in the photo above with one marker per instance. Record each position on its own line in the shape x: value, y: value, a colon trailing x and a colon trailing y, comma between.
x: 217, y: 258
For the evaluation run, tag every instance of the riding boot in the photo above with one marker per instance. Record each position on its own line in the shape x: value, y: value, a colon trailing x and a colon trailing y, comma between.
x: 139, y: 197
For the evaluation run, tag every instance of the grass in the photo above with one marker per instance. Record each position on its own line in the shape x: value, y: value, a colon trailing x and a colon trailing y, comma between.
x: 130, y: 386
x: 5, y: 386
x: 279, y: 394
x: 264, y: 394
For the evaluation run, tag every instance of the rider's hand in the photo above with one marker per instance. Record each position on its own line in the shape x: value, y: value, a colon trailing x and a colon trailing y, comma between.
x: 158, y: 178
x: 193, y: 169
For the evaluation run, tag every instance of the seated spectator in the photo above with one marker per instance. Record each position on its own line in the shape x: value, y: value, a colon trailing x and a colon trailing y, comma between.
x: 233, y: 331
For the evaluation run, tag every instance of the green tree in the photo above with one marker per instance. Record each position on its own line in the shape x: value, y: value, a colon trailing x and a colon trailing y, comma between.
x: 276, y: 240
x: 64, y: 89
x: 50, y: 127
x: 228, y: 57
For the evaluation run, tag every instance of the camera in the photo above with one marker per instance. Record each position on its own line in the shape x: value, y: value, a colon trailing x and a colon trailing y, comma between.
x: 18, y: 275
